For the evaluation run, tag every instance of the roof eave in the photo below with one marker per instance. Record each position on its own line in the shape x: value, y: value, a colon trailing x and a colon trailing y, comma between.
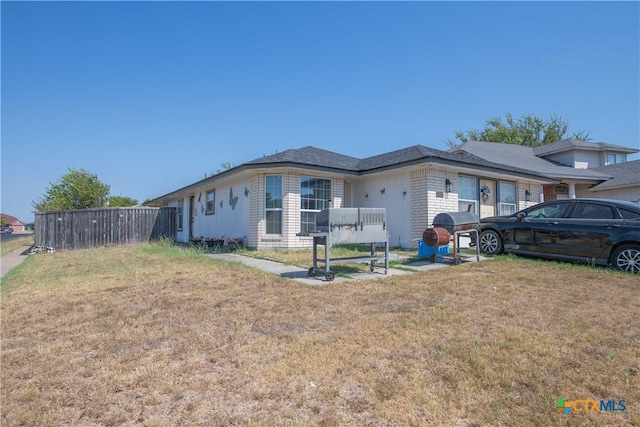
x: 598, y: 187
x: 210, y: 181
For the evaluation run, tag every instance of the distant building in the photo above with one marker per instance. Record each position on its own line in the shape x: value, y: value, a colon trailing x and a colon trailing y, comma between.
x: 13, y: 222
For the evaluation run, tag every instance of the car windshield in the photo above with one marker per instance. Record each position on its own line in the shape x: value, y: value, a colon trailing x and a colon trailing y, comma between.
x: 550, y: 210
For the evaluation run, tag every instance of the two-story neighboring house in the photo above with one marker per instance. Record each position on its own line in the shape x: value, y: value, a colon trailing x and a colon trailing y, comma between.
x: 584, y: 169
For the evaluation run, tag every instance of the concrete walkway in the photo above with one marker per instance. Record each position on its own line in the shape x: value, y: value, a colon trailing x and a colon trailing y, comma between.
x: 301, y: 274
x: 13, y: 259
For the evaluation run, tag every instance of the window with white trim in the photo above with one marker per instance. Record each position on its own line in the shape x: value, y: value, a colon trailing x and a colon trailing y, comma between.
x: 211, y: 202
x: 506, y: 198
x: 613, y: 158
x: 273, y: 204
x: 315, y: 195
x: 467, y: 194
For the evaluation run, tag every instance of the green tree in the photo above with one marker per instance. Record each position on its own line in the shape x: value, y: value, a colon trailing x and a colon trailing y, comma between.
x: 77, y: 189
x: 121, y: 201
x: 529, y: 130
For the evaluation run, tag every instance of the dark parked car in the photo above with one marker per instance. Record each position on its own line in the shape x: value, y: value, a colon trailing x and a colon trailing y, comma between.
x: 6, y: 230
x: 594, y: 231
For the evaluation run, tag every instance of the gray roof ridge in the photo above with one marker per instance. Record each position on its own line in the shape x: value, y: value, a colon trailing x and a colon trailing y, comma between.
x: 573, y: 143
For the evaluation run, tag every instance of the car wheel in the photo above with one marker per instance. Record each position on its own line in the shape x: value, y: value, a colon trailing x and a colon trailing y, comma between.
x: 627, y: 258
x: 490, y: 242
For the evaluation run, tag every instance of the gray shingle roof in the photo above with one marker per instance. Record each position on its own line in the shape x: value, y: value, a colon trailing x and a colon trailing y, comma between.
x: 309, y: 156
x: 523, y: 156
x: 316, y: 158
x: 418, y: 153
x: 571, y: 144
x: 624, y: 175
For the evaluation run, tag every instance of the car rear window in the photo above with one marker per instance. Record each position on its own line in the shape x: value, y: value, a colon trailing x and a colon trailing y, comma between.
x: 628, y: 214
x: 586, y: 210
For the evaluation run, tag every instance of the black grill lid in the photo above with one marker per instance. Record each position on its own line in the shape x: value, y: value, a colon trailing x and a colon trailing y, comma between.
x: 455, y: 221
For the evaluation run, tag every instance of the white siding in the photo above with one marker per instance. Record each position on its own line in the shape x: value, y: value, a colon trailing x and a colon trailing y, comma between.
x: 387, y: 190
x: 577, y: 157
x: 535, y: 191
x: 227, y: 221
x: 630, y: 194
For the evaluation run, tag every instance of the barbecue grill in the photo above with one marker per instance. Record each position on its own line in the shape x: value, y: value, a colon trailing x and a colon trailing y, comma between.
x: 341, y: 226
x: 449, y: 226
x: 456, y: 221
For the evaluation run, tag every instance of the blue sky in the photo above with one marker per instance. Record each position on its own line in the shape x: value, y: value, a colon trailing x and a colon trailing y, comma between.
x: 150, y: 96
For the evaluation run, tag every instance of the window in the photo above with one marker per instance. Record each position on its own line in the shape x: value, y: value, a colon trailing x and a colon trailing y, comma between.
x: 628, y: 214
x: 211, y: 202
x: 315, y: 195
x: 273, y: 204
x: 467, y: 194
x: 562, y: 189
x: 506, y: 198
x: 593, y: 211
x: 613, y: 158
x: 179, y: 210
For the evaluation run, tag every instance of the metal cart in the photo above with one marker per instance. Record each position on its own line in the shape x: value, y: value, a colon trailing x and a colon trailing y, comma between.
x: 341, y: 226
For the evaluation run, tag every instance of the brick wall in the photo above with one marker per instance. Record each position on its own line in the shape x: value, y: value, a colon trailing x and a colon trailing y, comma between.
x: 419, y: 193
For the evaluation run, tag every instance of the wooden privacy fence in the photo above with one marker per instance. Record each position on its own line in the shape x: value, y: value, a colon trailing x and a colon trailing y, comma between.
x: 90, y: 228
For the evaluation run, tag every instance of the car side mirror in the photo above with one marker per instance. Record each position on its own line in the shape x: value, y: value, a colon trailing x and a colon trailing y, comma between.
x: 521, y: 216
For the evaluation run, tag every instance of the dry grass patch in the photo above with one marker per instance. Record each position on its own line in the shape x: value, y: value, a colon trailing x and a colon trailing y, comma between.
x: 157, y: 336
x: 9, y: 246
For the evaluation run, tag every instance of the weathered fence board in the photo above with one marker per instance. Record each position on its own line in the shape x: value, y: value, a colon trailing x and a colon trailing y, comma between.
x: 90, y: 228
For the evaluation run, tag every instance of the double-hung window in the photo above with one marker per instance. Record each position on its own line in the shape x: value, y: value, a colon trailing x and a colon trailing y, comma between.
x: 315, y: 195
x: 273, y: 204
x: 507, y: 198
x: 211, y: 202
x: 467, y: 194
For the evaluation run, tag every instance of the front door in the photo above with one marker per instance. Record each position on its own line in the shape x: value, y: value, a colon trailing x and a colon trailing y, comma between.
x: 192, y: 214
x: 487, y: 198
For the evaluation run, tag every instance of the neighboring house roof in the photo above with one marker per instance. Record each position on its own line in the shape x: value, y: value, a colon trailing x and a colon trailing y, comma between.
x: 577, y: 144
x: 317, y: 159
x: 11, y: 220
x: 625, y: 174
x: 519, y: 155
